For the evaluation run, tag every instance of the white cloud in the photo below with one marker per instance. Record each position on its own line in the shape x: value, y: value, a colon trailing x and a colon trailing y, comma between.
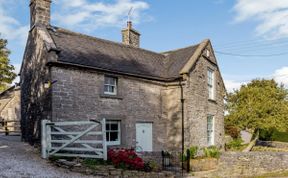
x: 271, y: 16
x: 90, y: 15
x: 11, y: 28
x: 281, y: 76
x: 232, y: 85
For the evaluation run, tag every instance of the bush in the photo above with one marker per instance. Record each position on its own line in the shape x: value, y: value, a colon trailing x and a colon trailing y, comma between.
x: 125, y: 159
x: 193, y: 150
x: 233, y: 131
x: 212, y: 152
x: 235, y: 144
x: 273, y: 135
x: 151, y: 166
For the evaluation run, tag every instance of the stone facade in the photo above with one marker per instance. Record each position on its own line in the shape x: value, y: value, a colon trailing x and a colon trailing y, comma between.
x: 141, y: 100
x: 199, y: 106
x: 35, y: 99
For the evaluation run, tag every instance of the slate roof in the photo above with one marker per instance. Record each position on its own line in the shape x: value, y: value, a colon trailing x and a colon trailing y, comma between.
x: 79, y: 49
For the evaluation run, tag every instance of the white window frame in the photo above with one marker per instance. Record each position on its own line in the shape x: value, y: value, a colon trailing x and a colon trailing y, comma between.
x: 118, y: 142
x: 211, y: 83
x: 210, y: 130
x: 112, y: 85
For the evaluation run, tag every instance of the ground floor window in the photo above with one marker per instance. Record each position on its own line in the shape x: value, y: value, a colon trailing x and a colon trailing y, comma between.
x: 210, y: 130
x: 113, y: 132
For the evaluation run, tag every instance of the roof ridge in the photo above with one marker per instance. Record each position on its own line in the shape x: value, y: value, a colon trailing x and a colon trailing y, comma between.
x: 174, y: 50
x: 104, y: 40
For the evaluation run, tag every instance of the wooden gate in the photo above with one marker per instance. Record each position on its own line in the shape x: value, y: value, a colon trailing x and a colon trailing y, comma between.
x: 74, y: 139
x: 10, y: 127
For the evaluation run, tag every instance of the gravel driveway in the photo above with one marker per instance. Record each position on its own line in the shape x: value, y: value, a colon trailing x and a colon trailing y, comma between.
x: 18, y: 159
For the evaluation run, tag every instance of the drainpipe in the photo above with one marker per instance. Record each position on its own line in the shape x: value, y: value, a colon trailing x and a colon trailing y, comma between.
x: 182, y: 115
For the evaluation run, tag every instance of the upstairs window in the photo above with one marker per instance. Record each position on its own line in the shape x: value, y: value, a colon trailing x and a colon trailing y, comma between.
x: 110, y: 85
x: 113, y: 132
x: 210, y: 79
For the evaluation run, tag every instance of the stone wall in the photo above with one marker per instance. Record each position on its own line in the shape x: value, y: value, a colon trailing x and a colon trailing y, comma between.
x: 237, y: 164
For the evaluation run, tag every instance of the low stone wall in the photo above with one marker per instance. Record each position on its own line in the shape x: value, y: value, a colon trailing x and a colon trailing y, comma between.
x: 235, y: 164
x: 272, y: 144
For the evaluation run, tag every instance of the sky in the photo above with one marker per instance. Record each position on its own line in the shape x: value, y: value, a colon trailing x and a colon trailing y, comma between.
x: 249, y: 37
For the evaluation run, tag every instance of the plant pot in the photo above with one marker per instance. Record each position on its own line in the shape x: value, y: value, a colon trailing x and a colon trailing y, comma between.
x: 203, y: 164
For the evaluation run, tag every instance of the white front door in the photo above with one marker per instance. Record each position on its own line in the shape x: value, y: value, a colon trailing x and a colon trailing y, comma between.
x: 144, y: 136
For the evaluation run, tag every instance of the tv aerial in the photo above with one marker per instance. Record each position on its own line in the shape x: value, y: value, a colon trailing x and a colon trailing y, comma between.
x: 130, y: 13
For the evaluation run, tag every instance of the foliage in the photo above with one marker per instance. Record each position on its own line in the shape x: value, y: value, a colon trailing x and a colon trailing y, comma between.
x: 6, y: 69
x: 93, y: 162
x: 193, y: 150
x: 235, y: 144
x: 233, y: 131
x: 273, y: 134
x: 151, y: 166
x: 261, y: 104
x: 211, y: 152
x: 125, y: 159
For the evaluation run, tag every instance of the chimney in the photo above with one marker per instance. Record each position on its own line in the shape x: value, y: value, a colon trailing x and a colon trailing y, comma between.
x: 130, y: 36
x: 40, y: 12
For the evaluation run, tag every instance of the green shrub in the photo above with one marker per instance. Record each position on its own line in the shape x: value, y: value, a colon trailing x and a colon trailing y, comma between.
x: 193, y: 150
x: 280, y: 136
x: 235, y: 144
x: 273, y: 135
x: 212, y: 152
x: 89, y: 162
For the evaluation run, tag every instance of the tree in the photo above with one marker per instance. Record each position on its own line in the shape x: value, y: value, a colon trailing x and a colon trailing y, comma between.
x: 6, y: 69
x: 261, y: 104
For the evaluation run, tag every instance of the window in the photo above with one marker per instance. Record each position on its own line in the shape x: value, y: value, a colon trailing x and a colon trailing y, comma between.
x: 210, y: 78
x: 110, y: 85
x: 113, y: 133
x: 210, y: 130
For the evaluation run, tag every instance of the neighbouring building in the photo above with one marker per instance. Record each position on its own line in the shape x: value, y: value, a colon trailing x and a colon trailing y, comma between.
x: 71, y: 76
x: 10, y: 108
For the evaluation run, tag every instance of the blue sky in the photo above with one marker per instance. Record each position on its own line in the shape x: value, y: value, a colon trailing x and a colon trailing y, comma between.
x: 250, y: 37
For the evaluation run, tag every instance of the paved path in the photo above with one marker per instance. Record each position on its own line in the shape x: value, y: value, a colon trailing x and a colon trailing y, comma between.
x: 18, y: 159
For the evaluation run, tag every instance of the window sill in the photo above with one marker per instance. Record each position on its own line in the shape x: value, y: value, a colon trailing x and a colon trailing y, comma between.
x: 111, y: 96
x: 212, y: 101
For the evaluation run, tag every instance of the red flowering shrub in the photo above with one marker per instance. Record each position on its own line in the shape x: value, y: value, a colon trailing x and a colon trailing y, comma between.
x: 125, y: 158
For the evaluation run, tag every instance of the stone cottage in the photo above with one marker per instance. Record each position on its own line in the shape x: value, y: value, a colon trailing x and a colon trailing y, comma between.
x: 142, y: 94
x: 10, y: 108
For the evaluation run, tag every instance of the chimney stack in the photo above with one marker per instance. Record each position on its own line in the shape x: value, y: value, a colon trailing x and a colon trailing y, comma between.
x: 40, y: 12
x: 130, y: 36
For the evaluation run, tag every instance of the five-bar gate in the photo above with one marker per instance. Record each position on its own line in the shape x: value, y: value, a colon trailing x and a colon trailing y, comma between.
x: 74, y: 139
